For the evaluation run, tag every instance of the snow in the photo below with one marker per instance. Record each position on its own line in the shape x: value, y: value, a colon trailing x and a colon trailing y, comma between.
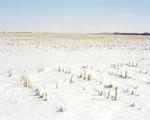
x: 49, y: 63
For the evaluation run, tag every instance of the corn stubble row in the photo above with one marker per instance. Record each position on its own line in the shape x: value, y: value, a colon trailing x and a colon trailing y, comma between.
x: 27, y: 83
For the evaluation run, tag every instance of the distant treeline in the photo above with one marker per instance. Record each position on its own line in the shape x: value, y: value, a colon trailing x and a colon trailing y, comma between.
x: 117, y: 33
x: 104, y: 33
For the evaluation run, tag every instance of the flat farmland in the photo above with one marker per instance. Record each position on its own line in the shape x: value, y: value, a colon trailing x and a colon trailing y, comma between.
x: 74, y: 76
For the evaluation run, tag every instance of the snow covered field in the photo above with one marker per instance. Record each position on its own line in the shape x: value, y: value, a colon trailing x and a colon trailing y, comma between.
x: 74, y: 77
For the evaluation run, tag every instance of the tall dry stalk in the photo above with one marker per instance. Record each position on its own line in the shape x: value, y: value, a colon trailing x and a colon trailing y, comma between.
x: 116, y: 93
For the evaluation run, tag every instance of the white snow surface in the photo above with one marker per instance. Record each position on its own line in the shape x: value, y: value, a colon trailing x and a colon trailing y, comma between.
x: 40, y: 59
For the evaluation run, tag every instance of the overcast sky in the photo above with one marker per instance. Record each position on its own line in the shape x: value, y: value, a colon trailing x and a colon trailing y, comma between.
x: 75, y: 16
